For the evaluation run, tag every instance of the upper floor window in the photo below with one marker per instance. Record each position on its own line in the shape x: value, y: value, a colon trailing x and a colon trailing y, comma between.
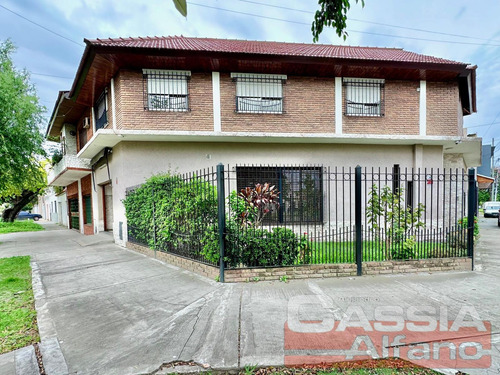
x: 101, y: 111
x: 166, y: 90
x: 259, y: 93
x: 364, y: 97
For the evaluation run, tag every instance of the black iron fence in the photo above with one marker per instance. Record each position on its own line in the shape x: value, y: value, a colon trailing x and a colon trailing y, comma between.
x: 268, y: 216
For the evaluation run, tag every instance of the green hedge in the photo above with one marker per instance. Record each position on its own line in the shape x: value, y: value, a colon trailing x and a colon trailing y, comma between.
x: 185, y: 222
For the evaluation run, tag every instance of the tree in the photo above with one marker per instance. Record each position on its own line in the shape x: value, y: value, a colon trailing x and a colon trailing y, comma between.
x: 332, y: 13
x: 21, y: 152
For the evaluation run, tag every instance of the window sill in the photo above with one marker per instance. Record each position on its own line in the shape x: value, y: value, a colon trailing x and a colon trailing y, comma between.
x: 166, y: 110
x: 261, y: 113
x: 361, y: 115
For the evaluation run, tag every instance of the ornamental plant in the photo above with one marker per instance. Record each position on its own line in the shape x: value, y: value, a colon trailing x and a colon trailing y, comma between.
x: 259, y: 201
x: 386, y: 213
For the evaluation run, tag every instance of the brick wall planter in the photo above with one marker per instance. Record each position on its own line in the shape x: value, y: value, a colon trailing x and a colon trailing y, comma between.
x: 310, y: 271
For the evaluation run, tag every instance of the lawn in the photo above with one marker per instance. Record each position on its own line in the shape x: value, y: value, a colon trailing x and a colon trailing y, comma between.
x: 20, y: 226
x: 18, y: 327
x: 375, y: 251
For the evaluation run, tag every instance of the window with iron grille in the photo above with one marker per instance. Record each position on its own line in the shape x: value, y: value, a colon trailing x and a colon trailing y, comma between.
x: 301, y: 191
x: 101, y: 111
x: 259, y: 93
x: 364, y: 97
x: 166, y: 90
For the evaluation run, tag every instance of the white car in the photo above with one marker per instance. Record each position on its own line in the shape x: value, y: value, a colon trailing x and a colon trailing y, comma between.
x: 491, y: 209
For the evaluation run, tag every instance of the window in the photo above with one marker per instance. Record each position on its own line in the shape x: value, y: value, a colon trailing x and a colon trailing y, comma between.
x: 364, y: 97
x: 259, y: 93
x: 101, y: 111
x: 301, y: 191
x: 166, y: 90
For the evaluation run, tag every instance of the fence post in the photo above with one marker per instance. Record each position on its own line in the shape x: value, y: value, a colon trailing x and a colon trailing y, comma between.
x: 471, y: 211
x: 357, y: 220
x: 222, y: 218
x: 154, y: 218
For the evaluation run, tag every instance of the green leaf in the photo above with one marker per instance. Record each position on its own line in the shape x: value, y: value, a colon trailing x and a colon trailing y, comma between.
x: 181, y: 6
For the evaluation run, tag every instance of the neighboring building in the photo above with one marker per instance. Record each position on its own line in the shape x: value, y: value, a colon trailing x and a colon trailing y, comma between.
x: 487, y: 162
x: 53, y: 206
x: 140, y: 106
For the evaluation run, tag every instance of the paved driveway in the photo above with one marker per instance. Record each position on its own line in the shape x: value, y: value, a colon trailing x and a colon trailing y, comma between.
x: 114, y: 311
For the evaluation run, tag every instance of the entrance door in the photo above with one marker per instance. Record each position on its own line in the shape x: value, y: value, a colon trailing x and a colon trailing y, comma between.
x: 108, y: 207
x: 74, y: 214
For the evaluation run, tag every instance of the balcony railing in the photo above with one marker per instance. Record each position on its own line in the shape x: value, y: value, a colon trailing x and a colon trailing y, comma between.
x: 67, y: 163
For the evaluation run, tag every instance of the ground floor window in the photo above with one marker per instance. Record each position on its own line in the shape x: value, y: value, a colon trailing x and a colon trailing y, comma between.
x: 301, y: 195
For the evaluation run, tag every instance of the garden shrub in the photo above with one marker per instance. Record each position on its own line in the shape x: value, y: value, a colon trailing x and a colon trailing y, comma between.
x: 185, y: 218
x: 139, y: 206
x: 182, y: 211
x: 404, y: 249
x: 184, y: 214
x: 457, y: 239
x: 255, y: 247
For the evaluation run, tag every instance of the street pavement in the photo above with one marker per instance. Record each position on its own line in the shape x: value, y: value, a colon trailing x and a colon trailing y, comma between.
x: 103, y: 309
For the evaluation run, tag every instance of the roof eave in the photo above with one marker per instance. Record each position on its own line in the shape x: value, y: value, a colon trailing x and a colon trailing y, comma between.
x: 60, y: 98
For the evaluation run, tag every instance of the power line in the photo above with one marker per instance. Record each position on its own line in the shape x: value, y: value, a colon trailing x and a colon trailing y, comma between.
x: 43, y: 27
x: 349, y: 31
x: 248, y: 14
x: 489, y: 127
x: 50, y: 75
x: 482, y: 125
x: 371, y: 22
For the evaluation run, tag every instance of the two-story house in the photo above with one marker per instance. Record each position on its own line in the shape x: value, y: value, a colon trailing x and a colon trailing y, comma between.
x: 140, y: 106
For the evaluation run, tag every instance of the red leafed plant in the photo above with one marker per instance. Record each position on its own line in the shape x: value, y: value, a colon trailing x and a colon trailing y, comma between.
x: 259, y: 201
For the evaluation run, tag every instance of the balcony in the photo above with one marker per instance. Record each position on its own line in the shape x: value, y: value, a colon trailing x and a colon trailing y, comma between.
x: 70, y: 169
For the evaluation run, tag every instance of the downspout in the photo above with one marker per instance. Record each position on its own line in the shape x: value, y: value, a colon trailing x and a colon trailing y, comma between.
x: 113, y: 106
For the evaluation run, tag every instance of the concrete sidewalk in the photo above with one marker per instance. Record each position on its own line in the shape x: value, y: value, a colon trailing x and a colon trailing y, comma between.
x: 113, y: 311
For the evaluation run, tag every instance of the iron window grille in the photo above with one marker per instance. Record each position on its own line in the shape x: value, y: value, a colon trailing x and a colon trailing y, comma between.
x: 259, y: 93
x: 364, y: 97
x: 301, y: 191
x: 166, y: 90
x: 101, y: 111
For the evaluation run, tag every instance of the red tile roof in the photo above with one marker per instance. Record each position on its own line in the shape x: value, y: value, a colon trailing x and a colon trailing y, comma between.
x: 182, y: 43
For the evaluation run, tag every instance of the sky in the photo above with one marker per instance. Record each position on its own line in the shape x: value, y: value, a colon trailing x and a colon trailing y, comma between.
x: 49, y: 35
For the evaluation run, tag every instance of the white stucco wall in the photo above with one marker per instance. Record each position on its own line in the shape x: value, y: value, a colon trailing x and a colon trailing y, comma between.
x: 133, y: 162
x: 62, y: 209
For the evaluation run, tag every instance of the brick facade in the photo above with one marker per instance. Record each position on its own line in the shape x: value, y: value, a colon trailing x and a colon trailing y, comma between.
x: 79, y: 129
x: 308, y: 103
x: 442, y: 111
x: 401, y: 112
x: 309, y: 107
x: 132, y: 115
x: 86, y: 185
x: 72, y: 190
x: 310, y: 271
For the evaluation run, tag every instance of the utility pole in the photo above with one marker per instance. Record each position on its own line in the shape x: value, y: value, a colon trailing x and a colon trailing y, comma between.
x: 495, y: 183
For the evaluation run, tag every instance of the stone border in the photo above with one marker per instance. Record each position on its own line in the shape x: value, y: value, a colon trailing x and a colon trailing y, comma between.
x: 287, y: 273
x: 206, y: 270
x: 310, y: 271
x: 348, y: 269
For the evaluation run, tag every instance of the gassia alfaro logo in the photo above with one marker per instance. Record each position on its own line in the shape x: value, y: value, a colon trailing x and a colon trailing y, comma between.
x: 436, y: 337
